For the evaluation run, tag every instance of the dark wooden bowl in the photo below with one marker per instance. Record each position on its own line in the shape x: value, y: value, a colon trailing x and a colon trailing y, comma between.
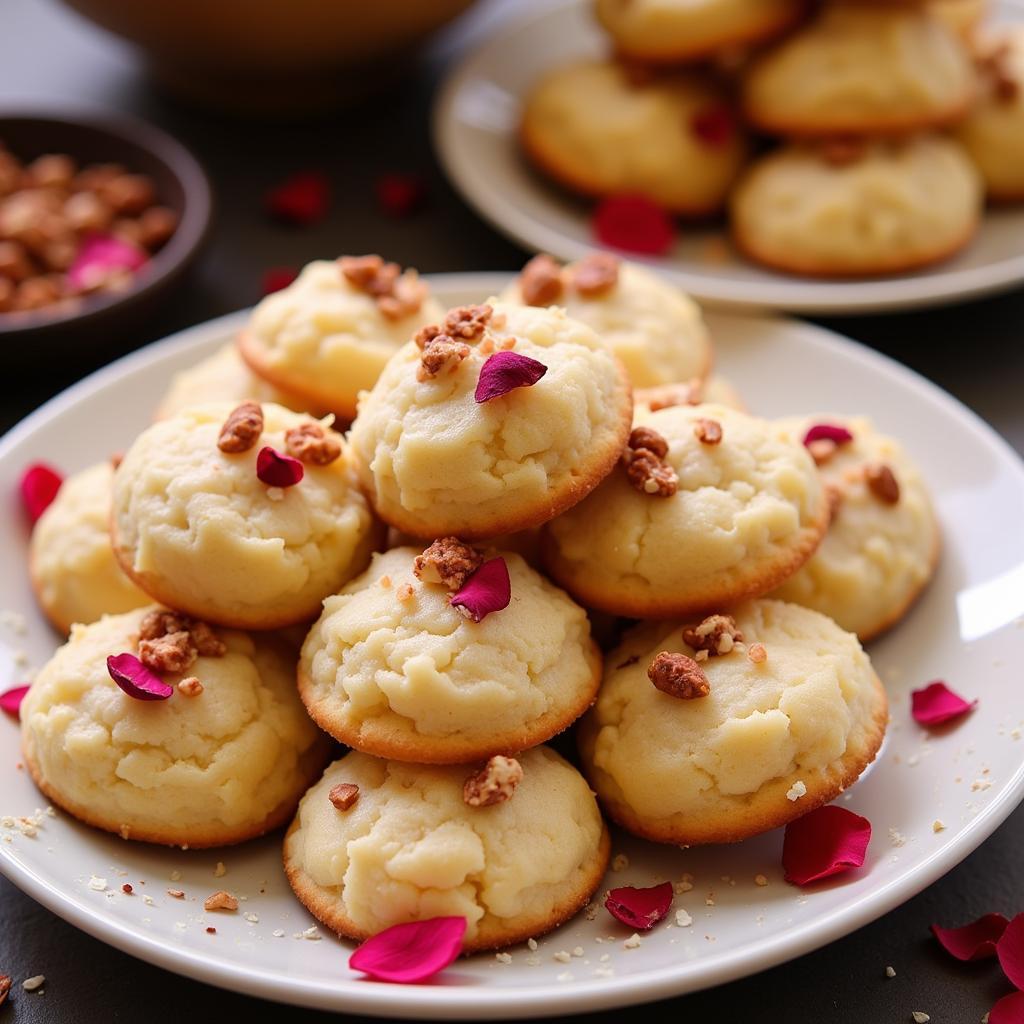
x: 180, y: 184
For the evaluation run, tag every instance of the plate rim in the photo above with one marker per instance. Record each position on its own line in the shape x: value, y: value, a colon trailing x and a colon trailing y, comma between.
x: 936, y: 287
x: 476, y: 1002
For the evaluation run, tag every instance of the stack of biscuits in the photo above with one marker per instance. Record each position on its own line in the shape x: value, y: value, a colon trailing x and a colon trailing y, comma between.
x: 521, y: 475
x: 846, y: 138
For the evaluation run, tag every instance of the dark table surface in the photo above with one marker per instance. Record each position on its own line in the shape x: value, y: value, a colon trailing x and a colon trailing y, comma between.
x: 974, y: 351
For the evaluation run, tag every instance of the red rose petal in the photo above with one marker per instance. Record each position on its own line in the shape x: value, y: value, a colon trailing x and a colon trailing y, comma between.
x: 301, y: 199
x: 10, y: 700
x: 39, y: 486
x: 974, y: 941
x: 1009, y: 1010
x: 399, y: 194
x: 634, y: 224
x: 487, y: 590
x: 640, y: 908
x: 1010, y: 950
x: 407, y: 953
x: 825, y: 842
x: 135, y: 679
x: 277, y: 278
x: 99, y: 256
x: 828, y: 432
x: 504, y: 372
x: 937, y: 703
x: 714, y: 125
x: 277, y: 470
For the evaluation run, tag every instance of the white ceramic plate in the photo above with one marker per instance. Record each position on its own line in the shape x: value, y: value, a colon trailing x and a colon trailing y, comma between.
x: 967, y: 629
x: 475, y: 132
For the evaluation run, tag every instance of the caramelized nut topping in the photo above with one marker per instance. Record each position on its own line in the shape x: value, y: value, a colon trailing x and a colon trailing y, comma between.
x: 822, y: 449
x: 467, y: 322
x: 442, y: 354
x: 208, y: 644
x: 678, y: 676
x: 449, y: 562
x: 220, y: 900
x: 644, y: 437
x: 708, y: 431
x: 160, y: 622
x: 173, y: 652
x: 665, y: 396
x: 425, y: 335
x: 882, y: 483
x: 241, y: 429
x: 717, y: 634
x: 310, y: 443
x: 343, y: 795
x: 595, y: 274
x: 649, y: 475
x: 540, y: 281
x: 190, y: 687
x: 494, y: 783
x: 406, y: 297
x: 398, y: 295
x: 757, y: 653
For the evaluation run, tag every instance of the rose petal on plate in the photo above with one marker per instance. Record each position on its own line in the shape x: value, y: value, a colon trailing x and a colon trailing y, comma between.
x: 937, y: 703
x: 974, y: 941
x: 276, y: 278
x: 834, y: 432
x: 504, y: 372
x: 277, y: 470
x: 714, y: 125
x: 488, y: 590
x: 825, y: 842
x: 399, y: 194
x: 301, y: 199
x: 39, y: 486
x: 633, y: 223
x: 408, y: 953
x: 639, y: 908
x: 10, y: 700
x: 98, y: 257
x: 1010, y: 950
x: 135, y: 679
x: 1009, y: 1010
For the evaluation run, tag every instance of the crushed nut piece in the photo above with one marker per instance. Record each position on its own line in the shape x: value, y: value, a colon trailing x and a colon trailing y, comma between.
x: 494, y: 783
x: 757, y: 653
x: 717, y: 634
x: 467, y: 322
x: 678, y: 676
x: 173, y: 652
x: 920, y: 1017
x: 310, y: 443
x: 220, y: 900
x: 938, y: 825
x: 890, y: 972
x: 397, y: 294
x: 449, y: 562
x: 700, y: 656
x: 178, y: 894
x: 645, y: 437
x: 208, y: 644
x: 822, y: 449
x: 190, y: 687
x: 406, y: 297
x: 761, y: 880
x: 666, y: 396
x: 241, y: 429
x: 343, y: 795
x: 649, y: 474
x: 404, y: 592
x: 707, y: 431
x: 441, y: 353
x: 425, y: 335
x: 882, y: 483
x: 595, y: 274
x: 540, y: 281
x: 161, y: 622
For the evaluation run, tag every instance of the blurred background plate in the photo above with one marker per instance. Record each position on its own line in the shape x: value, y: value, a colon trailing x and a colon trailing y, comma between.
x: 476, y: 122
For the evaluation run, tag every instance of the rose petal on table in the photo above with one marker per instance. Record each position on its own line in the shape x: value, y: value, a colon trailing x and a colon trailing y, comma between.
x: 39, y: 485
x: 834, y: 432
x: 488, y: 590
x: 10, y: 700
x: 974, y: 941
x: 135, y: 679
x: 504, y: 372
x: 714, y: 125
x: 399, y: 194
x: 1009, y: 1010
x: 408, y: 953
x: 1010, y: 950
x: 301, y: 199
x: 825, y: 842
x: 641, y: 909
x: 633, y: 223
x: 98, y: 256
x: 277, y: 470
x: 937, y: 703
x: 276, y: 278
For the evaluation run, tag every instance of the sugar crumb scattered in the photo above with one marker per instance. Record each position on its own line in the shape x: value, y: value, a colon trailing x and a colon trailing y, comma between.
x: 890, y: 972
x: 620, y: 862
x: 761, y: 880
x: 96, y: 883
x: 503, y: 958
x: 797, y: 790
x: 683, y: 919
x: 633, y: 942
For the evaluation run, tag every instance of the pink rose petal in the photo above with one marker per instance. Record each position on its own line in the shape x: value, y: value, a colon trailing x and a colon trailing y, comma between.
x: 98, y: 257
x: 504, y: 372
x: 633, y: 223
x: 488, y: 590
x: 302, y: 199
x: 135, y: 679
x: 937, y: 703
x: 276, y: 278
x: 399, y: 194
x: 1009, y: 1010
x: 974, y: 941
x: 10, y: 700
x: 407, y: 953
x: 1010, y: 950
x: 825, y: 842
x: 639, y: 908
x: 828, y: 432
x: 277, y: 470
x: 39, y: 486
